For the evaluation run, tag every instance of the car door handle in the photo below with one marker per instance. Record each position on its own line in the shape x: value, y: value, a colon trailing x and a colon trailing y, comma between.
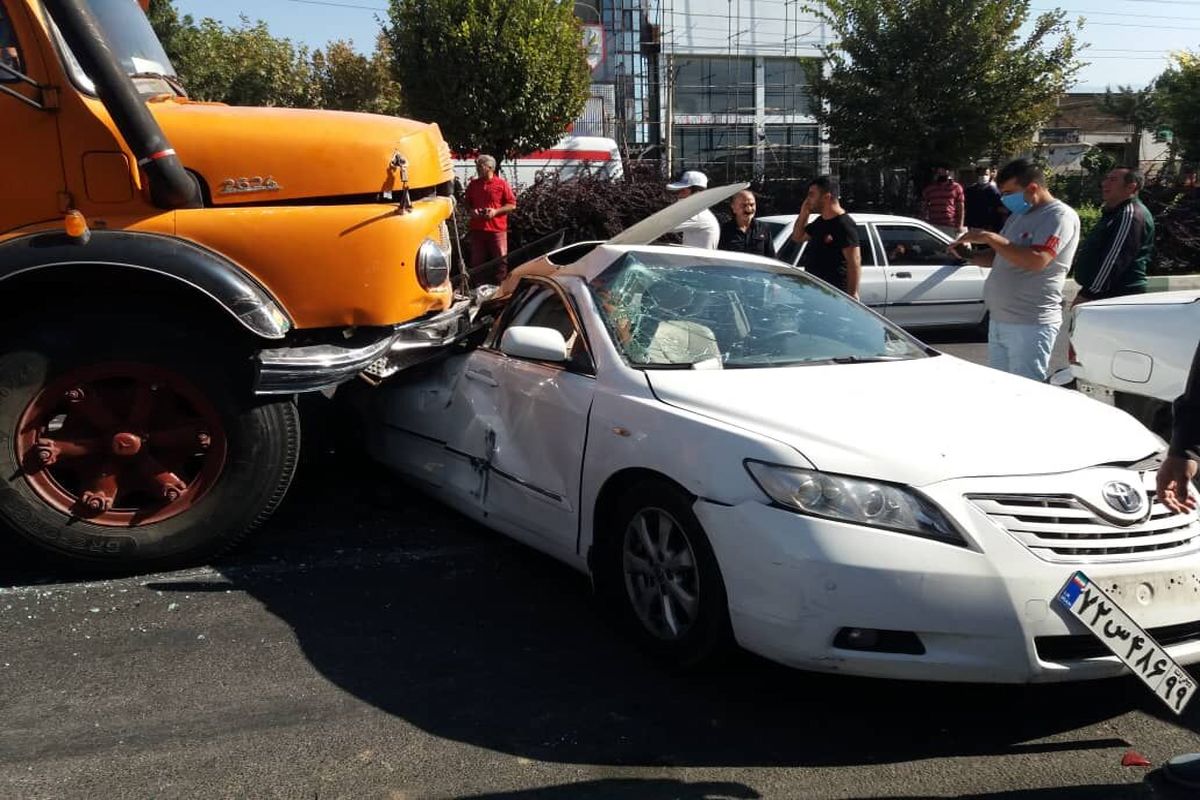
x: 902, y: 275
x: 483, y: 377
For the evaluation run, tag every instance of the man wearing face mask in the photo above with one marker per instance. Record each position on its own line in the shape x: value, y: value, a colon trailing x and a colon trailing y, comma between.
x: 1029, y: 260
x: 944, y: 204
x: 984, y: 209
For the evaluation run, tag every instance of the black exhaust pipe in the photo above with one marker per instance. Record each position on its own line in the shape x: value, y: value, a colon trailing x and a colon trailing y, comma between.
x: 170, y: 184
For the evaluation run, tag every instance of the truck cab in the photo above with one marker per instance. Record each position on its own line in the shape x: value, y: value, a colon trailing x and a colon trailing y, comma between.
x: 174, y: 273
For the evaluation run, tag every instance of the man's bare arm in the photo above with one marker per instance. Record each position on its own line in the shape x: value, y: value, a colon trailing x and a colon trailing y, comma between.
x: 983, y: 258
x: 853, y: 256
x: 1028, y: 258
x: 798, y: 232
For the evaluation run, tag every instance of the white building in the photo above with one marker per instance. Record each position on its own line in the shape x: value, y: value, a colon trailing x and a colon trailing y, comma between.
x: 715, y: 85
x: 1081, y: 123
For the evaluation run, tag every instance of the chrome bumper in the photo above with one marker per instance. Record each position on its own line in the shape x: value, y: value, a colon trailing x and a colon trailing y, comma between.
x: 311, y: 368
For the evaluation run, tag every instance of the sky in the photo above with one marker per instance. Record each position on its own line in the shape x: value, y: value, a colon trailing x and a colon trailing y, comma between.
x: 1129, y: 39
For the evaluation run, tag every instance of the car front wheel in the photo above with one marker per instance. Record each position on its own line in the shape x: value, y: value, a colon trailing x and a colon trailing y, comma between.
x: 662, y: 578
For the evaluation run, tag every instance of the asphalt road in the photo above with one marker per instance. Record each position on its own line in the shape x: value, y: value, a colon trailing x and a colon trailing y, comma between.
x: 371, y: 644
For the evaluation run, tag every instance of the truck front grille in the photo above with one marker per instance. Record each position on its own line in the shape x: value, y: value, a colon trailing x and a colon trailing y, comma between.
x: 1064, y: 529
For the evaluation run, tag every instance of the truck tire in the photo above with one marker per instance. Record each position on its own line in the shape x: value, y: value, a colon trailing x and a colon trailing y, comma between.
x: 136, y: 449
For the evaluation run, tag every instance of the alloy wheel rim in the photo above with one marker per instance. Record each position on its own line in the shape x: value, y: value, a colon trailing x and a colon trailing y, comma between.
x: 121, y: 444
x: 661, y: 577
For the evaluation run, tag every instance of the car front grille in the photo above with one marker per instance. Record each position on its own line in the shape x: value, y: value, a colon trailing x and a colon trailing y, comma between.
x: 1078, y: 647
x: 1063, y: 528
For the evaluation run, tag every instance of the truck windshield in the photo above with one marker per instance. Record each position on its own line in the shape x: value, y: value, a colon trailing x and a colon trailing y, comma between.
x: 134, y: 44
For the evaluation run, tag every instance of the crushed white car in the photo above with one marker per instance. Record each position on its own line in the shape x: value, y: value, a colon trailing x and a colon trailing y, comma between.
x: 1135, y: 352
x: 736, y: 452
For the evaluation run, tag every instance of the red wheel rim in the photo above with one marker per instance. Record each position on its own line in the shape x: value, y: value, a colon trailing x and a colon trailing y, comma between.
x: 121, y: 444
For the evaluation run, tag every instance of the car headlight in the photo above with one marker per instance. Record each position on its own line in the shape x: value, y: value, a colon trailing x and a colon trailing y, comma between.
x: 862, y: 502
x: 433, y: 264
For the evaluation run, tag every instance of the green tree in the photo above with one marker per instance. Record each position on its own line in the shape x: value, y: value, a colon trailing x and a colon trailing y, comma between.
x: 169, y: 26
x: 244, y: 65
x: 1178, y: 91
x: 349, y: 81
x: 915, y: 82
x: 1137, y: 107
x: 241, y: 65
x: 503, y: 76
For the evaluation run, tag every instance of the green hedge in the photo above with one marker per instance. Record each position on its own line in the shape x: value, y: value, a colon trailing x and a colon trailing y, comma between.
x: 1089, y: 217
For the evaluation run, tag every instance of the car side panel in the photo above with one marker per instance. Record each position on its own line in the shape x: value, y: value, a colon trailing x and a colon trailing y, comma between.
x: 633, y: 430
x: 929, y: 295
x: 1163, y: 337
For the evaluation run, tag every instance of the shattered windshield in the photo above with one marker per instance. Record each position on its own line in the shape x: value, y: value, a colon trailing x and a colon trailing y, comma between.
x: 134, y: 43
x: 667, y: 310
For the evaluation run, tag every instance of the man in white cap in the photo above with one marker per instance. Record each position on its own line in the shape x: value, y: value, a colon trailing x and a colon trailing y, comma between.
x: 702, y: 230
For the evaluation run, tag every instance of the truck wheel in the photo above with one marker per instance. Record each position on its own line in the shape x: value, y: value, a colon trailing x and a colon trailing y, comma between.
x: 133, y: 452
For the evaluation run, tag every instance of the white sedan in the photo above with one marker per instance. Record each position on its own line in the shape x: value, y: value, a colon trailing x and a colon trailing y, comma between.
x: 735, y: 452
x: 908, y: 274
x: 1135, y: 352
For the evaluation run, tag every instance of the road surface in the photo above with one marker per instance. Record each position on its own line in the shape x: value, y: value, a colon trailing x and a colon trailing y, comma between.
x: 371, y: 644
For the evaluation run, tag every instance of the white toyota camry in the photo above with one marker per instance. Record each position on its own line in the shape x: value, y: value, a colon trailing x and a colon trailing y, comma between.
x: 737, y: 453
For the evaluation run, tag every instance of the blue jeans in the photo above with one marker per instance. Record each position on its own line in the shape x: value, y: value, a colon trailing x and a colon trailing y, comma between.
x: 1021, y: 349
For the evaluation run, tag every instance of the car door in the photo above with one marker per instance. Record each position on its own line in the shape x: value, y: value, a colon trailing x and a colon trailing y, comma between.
x: 872, y: 286
x: 535, y: 452
x: 926, y: 284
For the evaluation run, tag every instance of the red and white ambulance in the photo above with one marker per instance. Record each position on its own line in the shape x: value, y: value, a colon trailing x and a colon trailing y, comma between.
x: 570, y: 157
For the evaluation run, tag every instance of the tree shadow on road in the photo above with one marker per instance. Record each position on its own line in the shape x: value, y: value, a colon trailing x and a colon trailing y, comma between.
x: 470, y: 637
x: 476, y: 639
x: 662, y: 789
x: 629, y: 789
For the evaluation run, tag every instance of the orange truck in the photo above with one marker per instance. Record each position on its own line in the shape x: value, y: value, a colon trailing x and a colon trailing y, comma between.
x: 174, y: 273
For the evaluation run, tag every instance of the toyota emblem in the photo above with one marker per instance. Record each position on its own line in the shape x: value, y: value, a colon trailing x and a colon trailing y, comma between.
x: 1123, y: 497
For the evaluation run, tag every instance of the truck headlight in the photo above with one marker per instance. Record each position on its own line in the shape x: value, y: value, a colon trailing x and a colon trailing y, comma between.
x: 854, y: 500
x: 433, y: 265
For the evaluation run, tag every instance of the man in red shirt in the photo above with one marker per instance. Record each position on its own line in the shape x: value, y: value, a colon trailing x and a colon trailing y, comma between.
x: 490, y: 200
x: 944, y: 203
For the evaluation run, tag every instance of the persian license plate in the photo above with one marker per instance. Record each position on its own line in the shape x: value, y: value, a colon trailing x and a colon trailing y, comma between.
x: 1128, y: 642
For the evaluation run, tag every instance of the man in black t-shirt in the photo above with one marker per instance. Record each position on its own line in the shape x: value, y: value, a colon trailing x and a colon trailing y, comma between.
x: 833, y: 254
x: 744, y: 233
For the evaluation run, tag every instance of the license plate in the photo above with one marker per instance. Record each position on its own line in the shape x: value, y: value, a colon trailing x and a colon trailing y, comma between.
x: 1100, y: 393
x: 1109, y: 623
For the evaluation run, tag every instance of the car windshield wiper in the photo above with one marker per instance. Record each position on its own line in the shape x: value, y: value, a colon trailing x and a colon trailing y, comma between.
x: 167, y: 79
x: 865, y: 359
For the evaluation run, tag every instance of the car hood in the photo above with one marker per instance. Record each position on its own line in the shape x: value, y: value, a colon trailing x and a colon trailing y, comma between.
x: 913, y: 422
x: 306, y: 154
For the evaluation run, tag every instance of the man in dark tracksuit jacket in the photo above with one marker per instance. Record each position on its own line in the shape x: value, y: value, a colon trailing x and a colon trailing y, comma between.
x: 1113, y: 259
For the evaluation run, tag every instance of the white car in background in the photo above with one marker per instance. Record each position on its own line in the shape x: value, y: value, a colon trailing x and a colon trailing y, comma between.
x: 1135, y: 352
x: 735, y: 452
x: 908, y: 275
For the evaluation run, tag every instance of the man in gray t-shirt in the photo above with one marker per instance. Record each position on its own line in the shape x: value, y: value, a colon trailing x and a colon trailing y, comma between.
x: 1029, y: 260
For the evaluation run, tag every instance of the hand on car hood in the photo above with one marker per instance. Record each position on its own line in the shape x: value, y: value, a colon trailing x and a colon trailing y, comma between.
x: 913, y: 422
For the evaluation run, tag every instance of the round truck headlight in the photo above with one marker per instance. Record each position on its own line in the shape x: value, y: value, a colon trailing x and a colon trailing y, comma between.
x: 433, y: 265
